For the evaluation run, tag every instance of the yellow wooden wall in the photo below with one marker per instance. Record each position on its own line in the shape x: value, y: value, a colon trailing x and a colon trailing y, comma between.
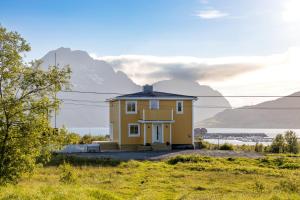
x: 181, y: 129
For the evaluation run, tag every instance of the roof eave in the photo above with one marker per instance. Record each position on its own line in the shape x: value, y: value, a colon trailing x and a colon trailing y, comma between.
x: 149, y: 98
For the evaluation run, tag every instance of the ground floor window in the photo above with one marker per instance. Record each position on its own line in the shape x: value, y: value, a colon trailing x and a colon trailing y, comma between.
x: 133, y: 130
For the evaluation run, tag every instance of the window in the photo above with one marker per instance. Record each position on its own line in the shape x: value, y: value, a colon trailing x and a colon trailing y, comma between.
x: 179, y: 107
x: 131, y: 107
x: 154, y: 104
x: 133, y: 130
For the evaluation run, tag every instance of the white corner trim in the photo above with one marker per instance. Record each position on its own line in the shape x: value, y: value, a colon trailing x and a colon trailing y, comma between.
x: 130, y: 112
x: 162, y: 133
x: 145, y: 137
x: 170, y: 134
x: 182, y: 106
x: 120, y: 130
x: 111, y: 131
x: 193, y: 132
x: 139, y: 131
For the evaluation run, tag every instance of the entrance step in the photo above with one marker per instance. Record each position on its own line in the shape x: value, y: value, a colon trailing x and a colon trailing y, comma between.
x: 160, y: 147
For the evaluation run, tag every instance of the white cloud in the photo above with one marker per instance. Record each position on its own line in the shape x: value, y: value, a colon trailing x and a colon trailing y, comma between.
x: 276, y: 74
x: 291, y: 11
x: 211, y: 14
x: 149, y: 69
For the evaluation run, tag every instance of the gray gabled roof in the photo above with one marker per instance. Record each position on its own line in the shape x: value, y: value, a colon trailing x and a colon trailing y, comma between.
x: 154, y: 95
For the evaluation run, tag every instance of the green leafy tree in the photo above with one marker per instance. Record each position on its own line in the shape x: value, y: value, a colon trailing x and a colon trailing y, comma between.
x: 65, y: 138
x: 278, y: 144
x: 259, y: 147
x: 27, y: 97
x: 292, y: 145
x: 88, y: 138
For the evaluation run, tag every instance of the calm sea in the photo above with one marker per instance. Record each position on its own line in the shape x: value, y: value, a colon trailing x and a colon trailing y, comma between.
x: 270, y: 132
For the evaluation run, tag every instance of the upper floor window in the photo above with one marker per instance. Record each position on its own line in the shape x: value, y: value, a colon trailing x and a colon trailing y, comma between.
x: 154, y: 104
x: 179, y: 107
x: 131, y: 107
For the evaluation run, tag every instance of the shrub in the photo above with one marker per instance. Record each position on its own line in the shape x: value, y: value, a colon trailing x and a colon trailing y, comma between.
x: 259, y: 187
x: 292, y: 145
x: 290, y: 166
x: 278, y: 144
x: 288, y: 186
x: 104, y: 195
x: 80, y: 161
x: 68, y: 174
x: 226, y: 146
x: 88, y: 139
x: 259, y: 148
x: 188, y: 159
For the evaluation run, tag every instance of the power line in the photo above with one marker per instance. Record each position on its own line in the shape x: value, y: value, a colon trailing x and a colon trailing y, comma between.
x: 90, y: 92
x: 83, y: 100
x: 205, y: 96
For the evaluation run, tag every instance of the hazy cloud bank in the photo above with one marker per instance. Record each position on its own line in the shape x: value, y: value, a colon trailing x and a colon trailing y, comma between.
x: 148, y: 69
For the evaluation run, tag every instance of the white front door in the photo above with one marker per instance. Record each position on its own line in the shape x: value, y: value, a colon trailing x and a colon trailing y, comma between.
x: 157, y: 133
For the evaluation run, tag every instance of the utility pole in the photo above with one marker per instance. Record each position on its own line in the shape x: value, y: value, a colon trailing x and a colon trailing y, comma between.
x: 55, y: 95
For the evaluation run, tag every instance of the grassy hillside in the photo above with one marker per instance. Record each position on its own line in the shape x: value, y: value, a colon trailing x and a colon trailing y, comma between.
x: 181, y: 177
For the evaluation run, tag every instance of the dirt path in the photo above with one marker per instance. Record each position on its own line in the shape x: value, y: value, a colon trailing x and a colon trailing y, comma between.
x: 152, y: 155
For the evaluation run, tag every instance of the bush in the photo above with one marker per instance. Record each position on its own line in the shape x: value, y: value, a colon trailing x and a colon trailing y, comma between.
x: 259, y: 187
x: 68, y: 174
x: 286, y: 143
x: 81, y: 161
x: 259, y: 148
x: 288, y: 186
x: 292, y: 145
x: 104, y: 195
x: 226, y: 146
x: 88, y: 139
x: 188, y: 159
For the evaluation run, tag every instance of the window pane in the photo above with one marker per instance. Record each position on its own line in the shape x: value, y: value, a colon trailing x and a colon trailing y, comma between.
x: 134, y: 130
x: 131, y: 106
x: 179, y: 106
x: 154, y: 104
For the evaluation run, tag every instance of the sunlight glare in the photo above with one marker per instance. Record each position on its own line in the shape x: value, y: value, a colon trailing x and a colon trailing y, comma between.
x: 291, y: 11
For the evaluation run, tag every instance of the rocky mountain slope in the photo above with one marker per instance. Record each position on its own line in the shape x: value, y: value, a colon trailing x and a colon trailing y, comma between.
x: 280, y: 113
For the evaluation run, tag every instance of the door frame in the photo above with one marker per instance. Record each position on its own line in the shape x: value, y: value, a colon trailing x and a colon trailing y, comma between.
x: 154, y: 131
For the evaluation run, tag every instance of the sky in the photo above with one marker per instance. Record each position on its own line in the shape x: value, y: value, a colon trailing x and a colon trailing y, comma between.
x: 238, y: 47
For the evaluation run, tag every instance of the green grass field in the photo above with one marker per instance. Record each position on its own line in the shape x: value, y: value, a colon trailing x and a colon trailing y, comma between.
x: 181, y: 177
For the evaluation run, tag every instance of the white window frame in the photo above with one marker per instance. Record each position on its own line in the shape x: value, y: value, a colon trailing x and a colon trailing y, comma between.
x: 151, y: 104
x: 131, y: 112
x: 179, y: 112
x: 133, y: 135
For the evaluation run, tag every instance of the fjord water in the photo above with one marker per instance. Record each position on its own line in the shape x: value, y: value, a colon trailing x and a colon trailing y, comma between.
x: 269, y: 132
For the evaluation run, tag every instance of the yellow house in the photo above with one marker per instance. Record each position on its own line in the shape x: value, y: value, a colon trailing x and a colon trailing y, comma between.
x: 152, y: 119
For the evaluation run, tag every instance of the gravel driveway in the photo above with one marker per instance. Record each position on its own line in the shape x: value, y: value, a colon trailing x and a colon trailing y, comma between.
x: 152, y: 155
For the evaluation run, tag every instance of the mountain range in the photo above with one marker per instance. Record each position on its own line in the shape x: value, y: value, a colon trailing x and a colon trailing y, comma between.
x: 88, y: 74
x: 283, y: 113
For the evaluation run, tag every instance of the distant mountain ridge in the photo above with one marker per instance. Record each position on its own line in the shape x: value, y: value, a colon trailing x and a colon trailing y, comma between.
x: 280, y: 113
x: 89, y: 74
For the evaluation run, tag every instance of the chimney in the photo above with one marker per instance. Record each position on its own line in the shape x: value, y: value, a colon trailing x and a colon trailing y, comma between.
x: 148, y: 89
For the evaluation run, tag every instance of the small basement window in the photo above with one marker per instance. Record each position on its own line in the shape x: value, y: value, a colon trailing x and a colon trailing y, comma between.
x: 133, y: 130
x: 154, y: 104
x: 179, y: 107
x: 131, y: 107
